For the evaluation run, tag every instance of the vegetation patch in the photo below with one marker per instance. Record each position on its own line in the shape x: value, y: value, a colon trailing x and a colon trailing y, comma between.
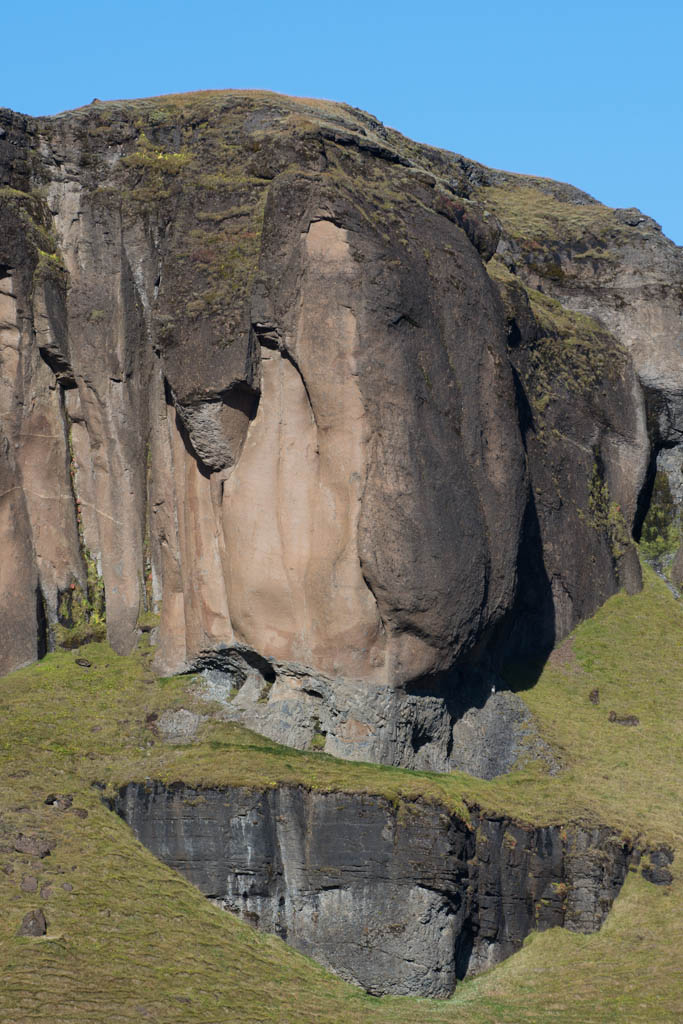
x: 568, y: 354
x: 606, y: 516
x: 36, y: 222
x: 661, y: 532
x: 535, y: 213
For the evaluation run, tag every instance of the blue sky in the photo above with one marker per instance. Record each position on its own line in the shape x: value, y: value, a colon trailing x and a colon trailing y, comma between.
x: 590, y: 93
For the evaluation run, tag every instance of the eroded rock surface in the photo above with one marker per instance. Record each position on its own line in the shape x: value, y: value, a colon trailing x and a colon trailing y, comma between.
x: 402, y: 901
x: 286, y: 379
x: 461, y: 722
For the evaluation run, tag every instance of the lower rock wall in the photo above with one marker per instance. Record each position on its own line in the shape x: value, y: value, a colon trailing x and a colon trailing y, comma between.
x: 458, y: 721
x: 402, y: 900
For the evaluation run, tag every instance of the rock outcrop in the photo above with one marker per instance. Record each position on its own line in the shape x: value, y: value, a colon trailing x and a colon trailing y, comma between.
x: 301, y: 387
x: 403, y: 901
x: 461, y: 722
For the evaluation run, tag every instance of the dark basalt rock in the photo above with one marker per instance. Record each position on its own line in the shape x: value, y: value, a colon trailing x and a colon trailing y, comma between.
x: 33, y: 924
x: 657, y: 875
x: 623, y: 719
x: 398, y: 900
x: 36, y: 845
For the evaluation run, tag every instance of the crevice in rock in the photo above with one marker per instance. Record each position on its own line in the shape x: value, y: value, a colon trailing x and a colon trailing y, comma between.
x: 463, y: 950
x: 525, y: 416
x: 528, y: 632
x: 269, y: 336
x: 43, y: 633
x: 286, y: 354
x: 231, y: 661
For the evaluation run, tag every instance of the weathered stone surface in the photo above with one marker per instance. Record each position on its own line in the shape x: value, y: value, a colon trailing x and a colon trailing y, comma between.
x: 178, y: 726
x: 401, y: 900
x: 35, y: 845
x: 278, y: 375
x: 617, y: 267
x: 657, y: 875
x: 677, y: 568
x: 457, y: 723
x: 33, y: 924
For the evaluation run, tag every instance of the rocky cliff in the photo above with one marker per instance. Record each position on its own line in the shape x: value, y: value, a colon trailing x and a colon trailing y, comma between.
x: 347, y: 421
x: 401, y: 901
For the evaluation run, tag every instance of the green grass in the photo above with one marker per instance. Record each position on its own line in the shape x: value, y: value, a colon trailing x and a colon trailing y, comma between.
x: 540, y: 215
x: 132, y: 941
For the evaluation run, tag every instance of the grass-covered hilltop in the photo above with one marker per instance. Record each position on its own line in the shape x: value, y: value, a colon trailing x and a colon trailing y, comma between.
x: 341, y: 488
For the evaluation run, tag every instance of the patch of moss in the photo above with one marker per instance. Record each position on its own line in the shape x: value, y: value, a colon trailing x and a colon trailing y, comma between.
x: 70, y: 638
x: 605, y: 515
x: 570, y: 353
x: 82, y: 612
x: 543, y: 218
x: 661, y: 532
x: 37, y: 222
x: 153, y: 169
x: 147, y: 621
x: 573, y: 353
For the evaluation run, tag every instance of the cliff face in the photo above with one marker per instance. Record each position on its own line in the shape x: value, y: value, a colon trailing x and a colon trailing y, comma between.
x: 398, y: 902
x: 263, y: 376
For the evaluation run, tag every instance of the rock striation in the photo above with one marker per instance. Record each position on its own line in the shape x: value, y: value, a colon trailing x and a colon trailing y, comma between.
x: 400, y: 900
x: 275, y: 379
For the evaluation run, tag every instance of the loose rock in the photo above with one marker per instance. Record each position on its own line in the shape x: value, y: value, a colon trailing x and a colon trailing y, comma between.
x: 35, y: 846
x: 657, y: 875
x: 179, y: 726
x: 623, y: 719
x: 33, y: 924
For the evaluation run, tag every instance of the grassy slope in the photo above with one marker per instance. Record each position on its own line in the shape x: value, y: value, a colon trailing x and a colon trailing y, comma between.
x: 132, y: 941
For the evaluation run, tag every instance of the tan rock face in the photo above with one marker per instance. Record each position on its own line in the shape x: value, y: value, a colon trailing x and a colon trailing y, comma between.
x: 39, y: 539
x: 294, y: 500
x: 261, y: 383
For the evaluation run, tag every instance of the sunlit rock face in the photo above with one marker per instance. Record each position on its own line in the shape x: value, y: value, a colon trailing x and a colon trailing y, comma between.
x: 277, y: 375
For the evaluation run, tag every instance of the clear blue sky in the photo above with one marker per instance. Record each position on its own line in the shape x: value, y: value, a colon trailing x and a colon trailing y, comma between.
x: 590, y: 93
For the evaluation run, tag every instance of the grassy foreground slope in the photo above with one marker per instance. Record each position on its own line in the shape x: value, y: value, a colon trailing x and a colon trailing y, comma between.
x: 129, y: 940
